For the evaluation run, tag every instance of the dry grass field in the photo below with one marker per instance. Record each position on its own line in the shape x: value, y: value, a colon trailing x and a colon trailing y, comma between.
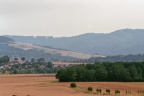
x: 47, y: 85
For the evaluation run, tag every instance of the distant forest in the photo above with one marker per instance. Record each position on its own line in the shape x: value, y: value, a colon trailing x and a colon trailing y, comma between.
x: 117, y: 58
x: 120, y: 42
x: 106, y: 71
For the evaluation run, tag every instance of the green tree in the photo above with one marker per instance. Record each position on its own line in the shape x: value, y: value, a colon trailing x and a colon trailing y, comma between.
x: 90, y: 75
x: 81, y: 74
x: 49, y: 65
x: 33, y: 60
x: 62, y: 75
x: 90, y: 89
x: 41, y: 60
x: 4, y: 59
x: 15, y: 71
x: 23, y: 59
x: 73, y: 85
x: 101, y: 74
x: 71, y: 74
x: 133, y: 72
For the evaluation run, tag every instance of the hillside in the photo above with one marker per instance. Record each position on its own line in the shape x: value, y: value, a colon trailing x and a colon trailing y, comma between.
x: 120, y: 42
x: 5, y: 39
x: 17, y: 49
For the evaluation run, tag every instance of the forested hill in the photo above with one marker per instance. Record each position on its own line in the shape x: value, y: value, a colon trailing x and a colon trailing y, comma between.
x: 118, y: 58
x: 120, y: 42
x: 5, y: 39
x: 17, y: 49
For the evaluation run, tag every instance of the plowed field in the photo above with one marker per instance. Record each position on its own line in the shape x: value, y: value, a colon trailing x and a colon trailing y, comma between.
x: 47, y: 85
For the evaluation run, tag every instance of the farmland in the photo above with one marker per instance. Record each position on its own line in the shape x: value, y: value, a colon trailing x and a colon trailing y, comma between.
x: 44, y: 85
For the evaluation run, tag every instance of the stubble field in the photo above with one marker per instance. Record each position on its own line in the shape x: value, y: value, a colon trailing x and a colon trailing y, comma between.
x: 47, y: 85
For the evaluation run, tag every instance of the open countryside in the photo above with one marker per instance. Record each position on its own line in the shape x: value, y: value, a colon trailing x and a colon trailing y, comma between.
x: 44, y: 85
x: 71, y: 48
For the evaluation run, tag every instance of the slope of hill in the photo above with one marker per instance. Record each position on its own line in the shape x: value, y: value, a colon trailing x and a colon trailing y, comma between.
x: 5, y: 39
x: 49, y: 50
x: 10, y: 47
x: 120, y: 42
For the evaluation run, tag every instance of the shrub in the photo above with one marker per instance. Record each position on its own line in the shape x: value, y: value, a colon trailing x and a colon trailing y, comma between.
x: 108, y: 91
x: 90, y: 88
x: 98, y: 90
x: 117, y: 91
x: 73, y: 85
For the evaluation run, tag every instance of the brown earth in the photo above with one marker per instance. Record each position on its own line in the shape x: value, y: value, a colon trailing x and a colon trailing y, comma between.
x: 47, y: 85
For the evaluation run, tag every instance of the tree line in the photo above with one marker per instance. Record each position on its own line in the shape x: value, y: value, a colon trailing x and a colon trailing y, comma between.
x: 104, y: 71
x: 39, y: 66
x: 117, y: 58
x: 33, y: 68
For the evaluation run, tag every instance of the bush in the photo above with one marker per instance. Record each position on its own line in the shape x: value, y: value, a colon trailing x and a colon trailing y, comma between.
x: 73, y: 85
x: 98, y: 91
x: 90, y: 88
x: 108, y: 91
x: 117, y: 92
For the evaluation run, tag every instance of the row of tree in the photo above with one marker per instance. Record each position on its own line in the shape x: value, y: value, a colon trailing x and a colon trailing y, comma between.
x: 106, y: 71
x: 32, y: 68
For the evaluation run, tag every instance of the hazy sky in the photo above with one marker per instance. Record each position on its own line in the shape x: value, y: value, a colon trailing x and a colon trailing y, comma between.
x: 69, y: 17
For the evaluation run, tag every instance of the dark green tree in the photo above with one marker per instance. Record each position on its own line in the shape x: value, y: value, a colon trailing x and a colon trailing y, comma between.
x: 133, y: 72
x: 49, y: 65
x: 23, y: 59
x: 62, y: 75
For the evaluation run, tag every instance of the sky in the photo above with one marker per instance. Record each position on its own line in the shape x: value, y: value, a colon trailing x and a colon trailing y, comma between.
x: 69, y: 17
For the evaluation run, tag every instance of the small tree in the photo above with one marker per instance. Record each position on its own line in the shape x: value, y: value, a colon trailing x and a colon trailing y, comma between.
x: 15, y: 71
x: 90, y: 88
x: 73, y: 85
x: 108, y: 91
x: 98, y: 91
x: 23, y: 59
x: 117, y: 92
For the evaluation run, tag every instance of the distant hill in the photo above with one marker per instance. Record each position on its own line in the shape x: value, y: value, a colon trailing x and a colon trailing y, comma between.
x: 17, y: 49
x: 5, y: 39
x: 120, y: 42
x: 118, y: 58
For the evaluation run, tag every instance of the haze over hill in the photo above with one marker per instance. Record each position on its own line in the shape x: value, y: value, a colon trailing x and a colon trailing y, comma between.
x: 17, y: 49
x: 120, y: 42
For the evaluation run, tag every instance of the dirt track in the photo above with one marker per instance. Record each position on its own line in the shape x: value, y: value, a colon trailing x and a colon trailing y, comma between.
x: 47, y: 85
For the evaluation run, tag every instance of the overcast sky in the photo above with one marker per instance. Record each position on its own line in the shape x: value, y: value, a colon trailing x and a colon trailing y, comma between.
x: 69, y: 17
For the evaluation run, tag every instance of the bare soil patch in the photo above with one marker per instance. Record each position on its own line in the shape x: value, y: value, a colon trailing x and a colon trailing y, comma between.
x: 47, y: 85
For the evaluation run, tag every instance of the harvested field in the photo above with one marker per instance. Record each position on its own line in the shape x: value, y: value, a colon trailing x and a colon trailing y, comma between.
x: 47, y: 85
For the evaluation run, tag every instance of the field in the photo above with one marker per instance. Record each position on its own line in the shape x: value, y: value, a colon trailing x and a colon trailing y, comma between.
x: 47, y: 85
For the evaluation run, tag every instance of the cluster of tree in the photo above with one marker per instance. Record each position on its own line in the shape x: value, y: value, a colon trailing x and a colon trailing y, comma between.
x: 3, y: 60
x: 33, y: 68
x: 106, y: 71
